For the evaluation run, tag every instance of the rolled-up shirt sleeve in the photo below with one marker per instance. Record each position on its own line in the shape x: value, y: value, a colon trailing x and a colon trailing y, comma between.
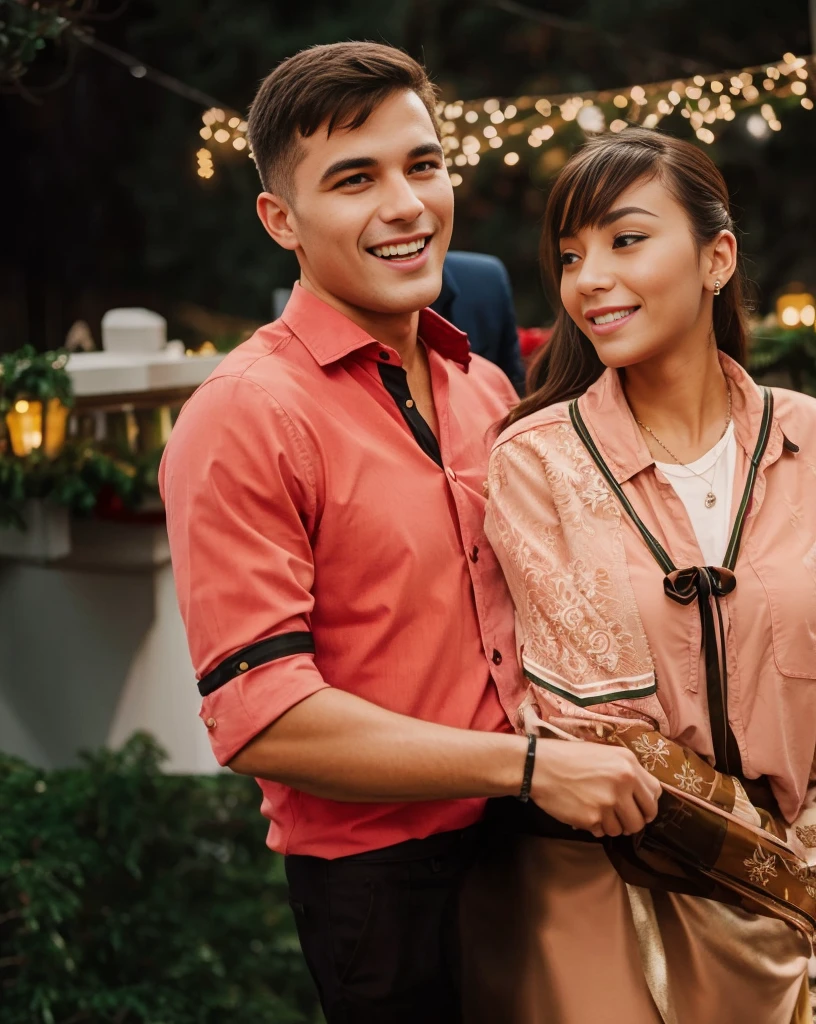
x: 240, y: 489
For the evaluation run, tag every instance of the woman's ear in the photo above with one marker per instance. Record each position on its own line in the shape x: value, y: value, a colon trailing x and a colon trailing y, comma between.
x: 276, y: 216
x: 722, y: 260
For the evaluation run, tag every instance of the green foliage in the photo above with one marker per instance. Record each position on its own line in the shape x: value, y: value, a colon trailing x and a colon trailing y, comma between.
x: 78, y: 478
x: 82, y: 473
x: 24, y: 30
x: 132, y: 897
x: 790, y: 350
x: 38, y: 376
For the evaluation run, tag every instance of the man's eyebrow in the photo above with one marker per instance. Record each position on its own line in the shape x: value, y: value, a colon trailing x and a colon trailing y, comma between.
x: 428, y: 149
x: 614, y: 215
x: 361, y: 163
x: 355, y: 163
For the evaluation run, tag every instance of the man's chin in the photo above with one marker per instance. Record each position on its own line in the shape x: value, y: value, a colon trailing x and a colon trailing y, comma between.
x: 404, y: 297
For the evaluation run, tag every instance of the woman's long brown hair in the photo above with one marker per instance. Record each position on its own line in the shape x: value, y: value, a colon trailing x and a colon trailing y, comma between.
x: 584, y: 191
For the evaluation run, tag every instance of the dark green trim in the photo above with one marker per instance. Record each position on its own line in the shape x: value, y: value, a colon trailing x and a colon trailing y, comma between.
x: 651, y: 541
x: 583, y: 702
x: 583, y: 433
x: 762, y: 443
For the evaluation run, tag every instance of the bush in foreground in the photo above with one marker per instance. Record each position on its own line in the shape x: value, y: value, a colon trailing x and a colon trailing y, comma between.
x: 132, y: 897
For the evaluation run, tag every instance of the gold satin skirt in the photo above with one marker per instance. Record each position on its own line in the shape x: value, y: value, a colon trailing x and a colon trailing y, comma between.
x: 552, y: 935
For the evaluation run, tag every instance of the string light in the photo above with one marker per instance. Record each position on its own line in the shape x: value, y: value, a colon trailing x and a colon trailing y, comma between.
x: 471, y: 128
x: 205, y: 163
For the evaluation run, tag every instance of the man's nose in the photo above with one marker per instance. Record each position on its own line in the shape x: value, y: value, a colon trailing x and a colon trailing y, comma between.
x: 400, y: 201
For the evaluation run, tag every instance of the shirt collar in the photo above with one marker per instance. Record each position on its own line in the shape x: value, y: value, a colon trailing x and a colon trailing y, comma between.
x: 329, y: 335
x: 617, y: 434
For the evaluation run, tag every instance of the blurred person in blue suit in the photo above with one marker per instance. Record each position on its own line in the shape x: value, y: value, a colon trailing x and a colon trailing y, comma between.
x: 476, y: 297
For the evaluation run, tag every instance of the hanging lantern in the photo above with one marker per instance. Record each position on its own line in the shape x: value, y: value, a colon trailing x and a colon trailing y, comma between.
x: 796, y: 309
x: 33, y: 426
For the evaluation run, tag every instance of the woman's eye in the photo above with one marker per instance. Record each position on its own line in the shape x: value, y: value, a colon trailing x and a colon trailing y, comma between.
x: 624, y: 241
x: 568, y: 258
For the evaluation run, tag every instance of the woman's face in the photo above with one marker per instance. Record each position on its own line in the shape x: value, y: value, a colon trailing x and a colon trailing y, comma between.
x: 636, y: 284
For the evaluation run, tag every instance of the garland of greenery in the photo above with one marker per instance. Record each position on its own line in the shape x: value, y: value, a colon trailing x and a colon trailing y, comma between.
x: 77, y: 479
x: 83, y: 472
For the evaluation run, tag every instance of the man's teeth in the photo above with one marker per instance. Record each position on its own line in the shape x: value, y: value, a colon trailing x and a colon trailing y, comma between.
x: 403, y: 249
x: 607, y: 318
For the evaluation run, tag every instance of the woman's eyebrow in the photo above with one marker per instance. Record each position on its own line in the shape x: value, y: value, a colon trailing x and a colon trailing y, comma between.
x: 613, y: 215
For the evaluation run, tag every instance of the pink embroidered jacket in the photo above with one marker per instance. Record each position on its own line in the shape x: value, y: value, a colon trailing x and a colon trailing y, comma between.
x: 596, y: 633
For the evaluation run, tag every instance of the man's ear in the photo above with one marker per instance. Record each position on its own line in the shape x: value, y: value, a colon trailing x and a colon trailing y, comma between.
x: 275, y: 215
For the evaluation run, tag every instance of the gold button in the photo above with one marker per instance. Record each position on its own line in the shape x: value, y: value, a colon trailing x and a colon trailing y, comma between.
x: 243, y: 666
x: 410, y: 403
x: 211, y: 723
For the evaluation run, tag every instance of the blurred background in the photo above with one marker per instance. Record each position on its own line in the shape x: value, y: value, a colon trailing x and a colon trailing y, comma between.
x: 135, y: 887
x: 105, y: 206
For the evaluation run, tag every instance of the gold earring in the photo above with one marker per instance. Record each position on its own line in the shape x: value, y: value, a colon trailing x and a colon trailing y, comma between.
x: 716, y: 287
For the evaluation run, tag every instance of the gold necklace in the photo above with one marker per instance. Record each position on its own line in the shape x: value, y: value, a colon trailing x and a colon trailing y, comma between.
x: 711, y: 497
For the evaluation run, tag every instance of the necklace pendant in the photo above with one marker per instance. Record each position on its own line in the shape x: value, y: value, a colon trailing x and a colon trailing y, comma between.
x: 710, y: 499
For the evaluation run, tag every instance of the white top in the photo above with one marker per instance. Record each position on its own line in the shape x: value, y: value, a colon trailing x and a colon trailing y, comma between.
x: 712, y: 526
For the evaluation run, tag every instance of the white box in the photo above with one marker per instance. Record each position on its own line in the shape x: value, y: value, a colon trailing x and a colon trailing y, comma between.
x: 133, y: 330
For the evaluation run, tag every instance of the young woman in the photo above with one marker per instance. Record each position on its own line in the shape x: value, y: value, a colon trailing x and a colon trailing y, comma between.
x: 659, y: 538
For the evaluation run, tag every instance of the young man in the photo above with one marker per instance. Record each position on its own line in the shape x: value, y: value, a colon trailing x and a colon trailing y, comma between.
x: 347, y: 618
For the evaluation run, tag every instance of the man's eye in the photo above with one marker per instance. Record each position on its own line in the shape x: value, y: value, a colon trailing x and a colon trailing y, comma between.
x: 425, y: 165
x: 355, y: 179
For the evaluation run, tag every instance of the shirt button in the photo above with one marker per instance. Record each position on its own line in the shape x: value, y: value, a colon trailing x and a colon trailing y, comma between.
x: 409, y: 404
x: 243, y: 666
x: 450, y: 472
x: 211, y: 723
x: 384, y: 356
x: 497, y: 658
x: 474, y: 555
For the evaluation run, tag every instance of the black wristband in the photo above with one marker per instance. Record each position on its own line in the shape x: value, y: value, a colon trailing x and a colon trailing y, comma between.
x: 529, y: 766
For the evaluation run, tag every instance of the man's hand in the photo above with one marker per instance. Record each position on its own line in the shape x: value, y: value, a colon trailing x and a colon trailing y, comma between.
x: 591, y: 786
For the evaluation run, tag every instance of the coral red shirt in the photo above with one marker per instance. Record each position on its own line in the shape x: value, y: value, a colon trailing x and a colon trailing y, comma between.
x: 316, y: 543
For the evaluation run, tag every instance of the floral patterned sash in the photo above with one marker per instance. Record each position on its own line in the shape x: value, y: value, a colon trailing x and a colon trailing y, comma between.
x: 708, y: 838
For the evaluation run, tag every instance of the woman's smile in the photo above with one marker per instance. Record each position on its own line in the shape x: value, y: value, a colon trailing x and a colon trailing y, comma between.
x: 609, y: 319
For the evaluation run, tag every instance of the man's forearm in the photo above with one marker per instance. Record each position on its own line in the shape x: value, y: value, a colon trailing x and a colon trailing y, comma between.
x: 340, y: 747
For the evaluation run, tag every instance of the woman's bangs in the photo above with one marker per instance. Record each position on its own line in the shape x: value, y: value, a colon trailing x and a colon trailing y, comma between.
x: 595, y: 184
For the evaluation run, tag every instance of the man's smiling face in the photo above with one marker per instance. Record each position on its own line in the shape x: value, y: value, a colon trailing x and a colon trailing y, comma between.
x: 372, y: 210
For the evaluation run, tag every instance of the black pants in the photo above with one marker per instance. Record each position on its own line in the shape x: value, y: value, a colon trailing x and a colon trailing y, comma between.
x: 380, y: 930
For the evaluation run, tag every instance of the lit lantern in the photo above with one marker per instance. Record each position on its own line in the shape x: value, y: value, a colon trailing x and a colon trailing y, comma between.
x: 30, y: 431
x: 796, y: 309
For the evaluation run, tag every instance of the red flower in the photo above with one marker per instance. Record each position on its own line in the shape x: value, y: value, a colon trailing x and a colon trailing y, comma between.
x: 532, y: 338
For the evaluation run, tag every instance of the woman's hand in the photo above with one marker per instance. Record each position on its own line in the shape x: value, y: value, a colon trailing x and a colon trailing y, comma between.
x: 595, y: 787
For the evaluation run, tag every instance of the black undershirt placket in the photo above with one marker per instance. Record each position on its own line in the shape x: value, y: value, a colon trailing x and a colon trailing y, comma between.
x: 395, y: 381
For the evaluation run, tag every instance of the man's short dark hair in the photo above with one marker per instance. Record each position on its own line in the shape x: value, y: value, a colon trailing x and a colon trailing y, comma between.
x: 338, y: 85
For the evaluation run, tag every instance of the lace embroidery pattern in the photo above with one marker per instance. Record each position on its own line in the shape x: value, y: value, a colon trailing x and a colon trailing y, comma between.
x: 564, y: 560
